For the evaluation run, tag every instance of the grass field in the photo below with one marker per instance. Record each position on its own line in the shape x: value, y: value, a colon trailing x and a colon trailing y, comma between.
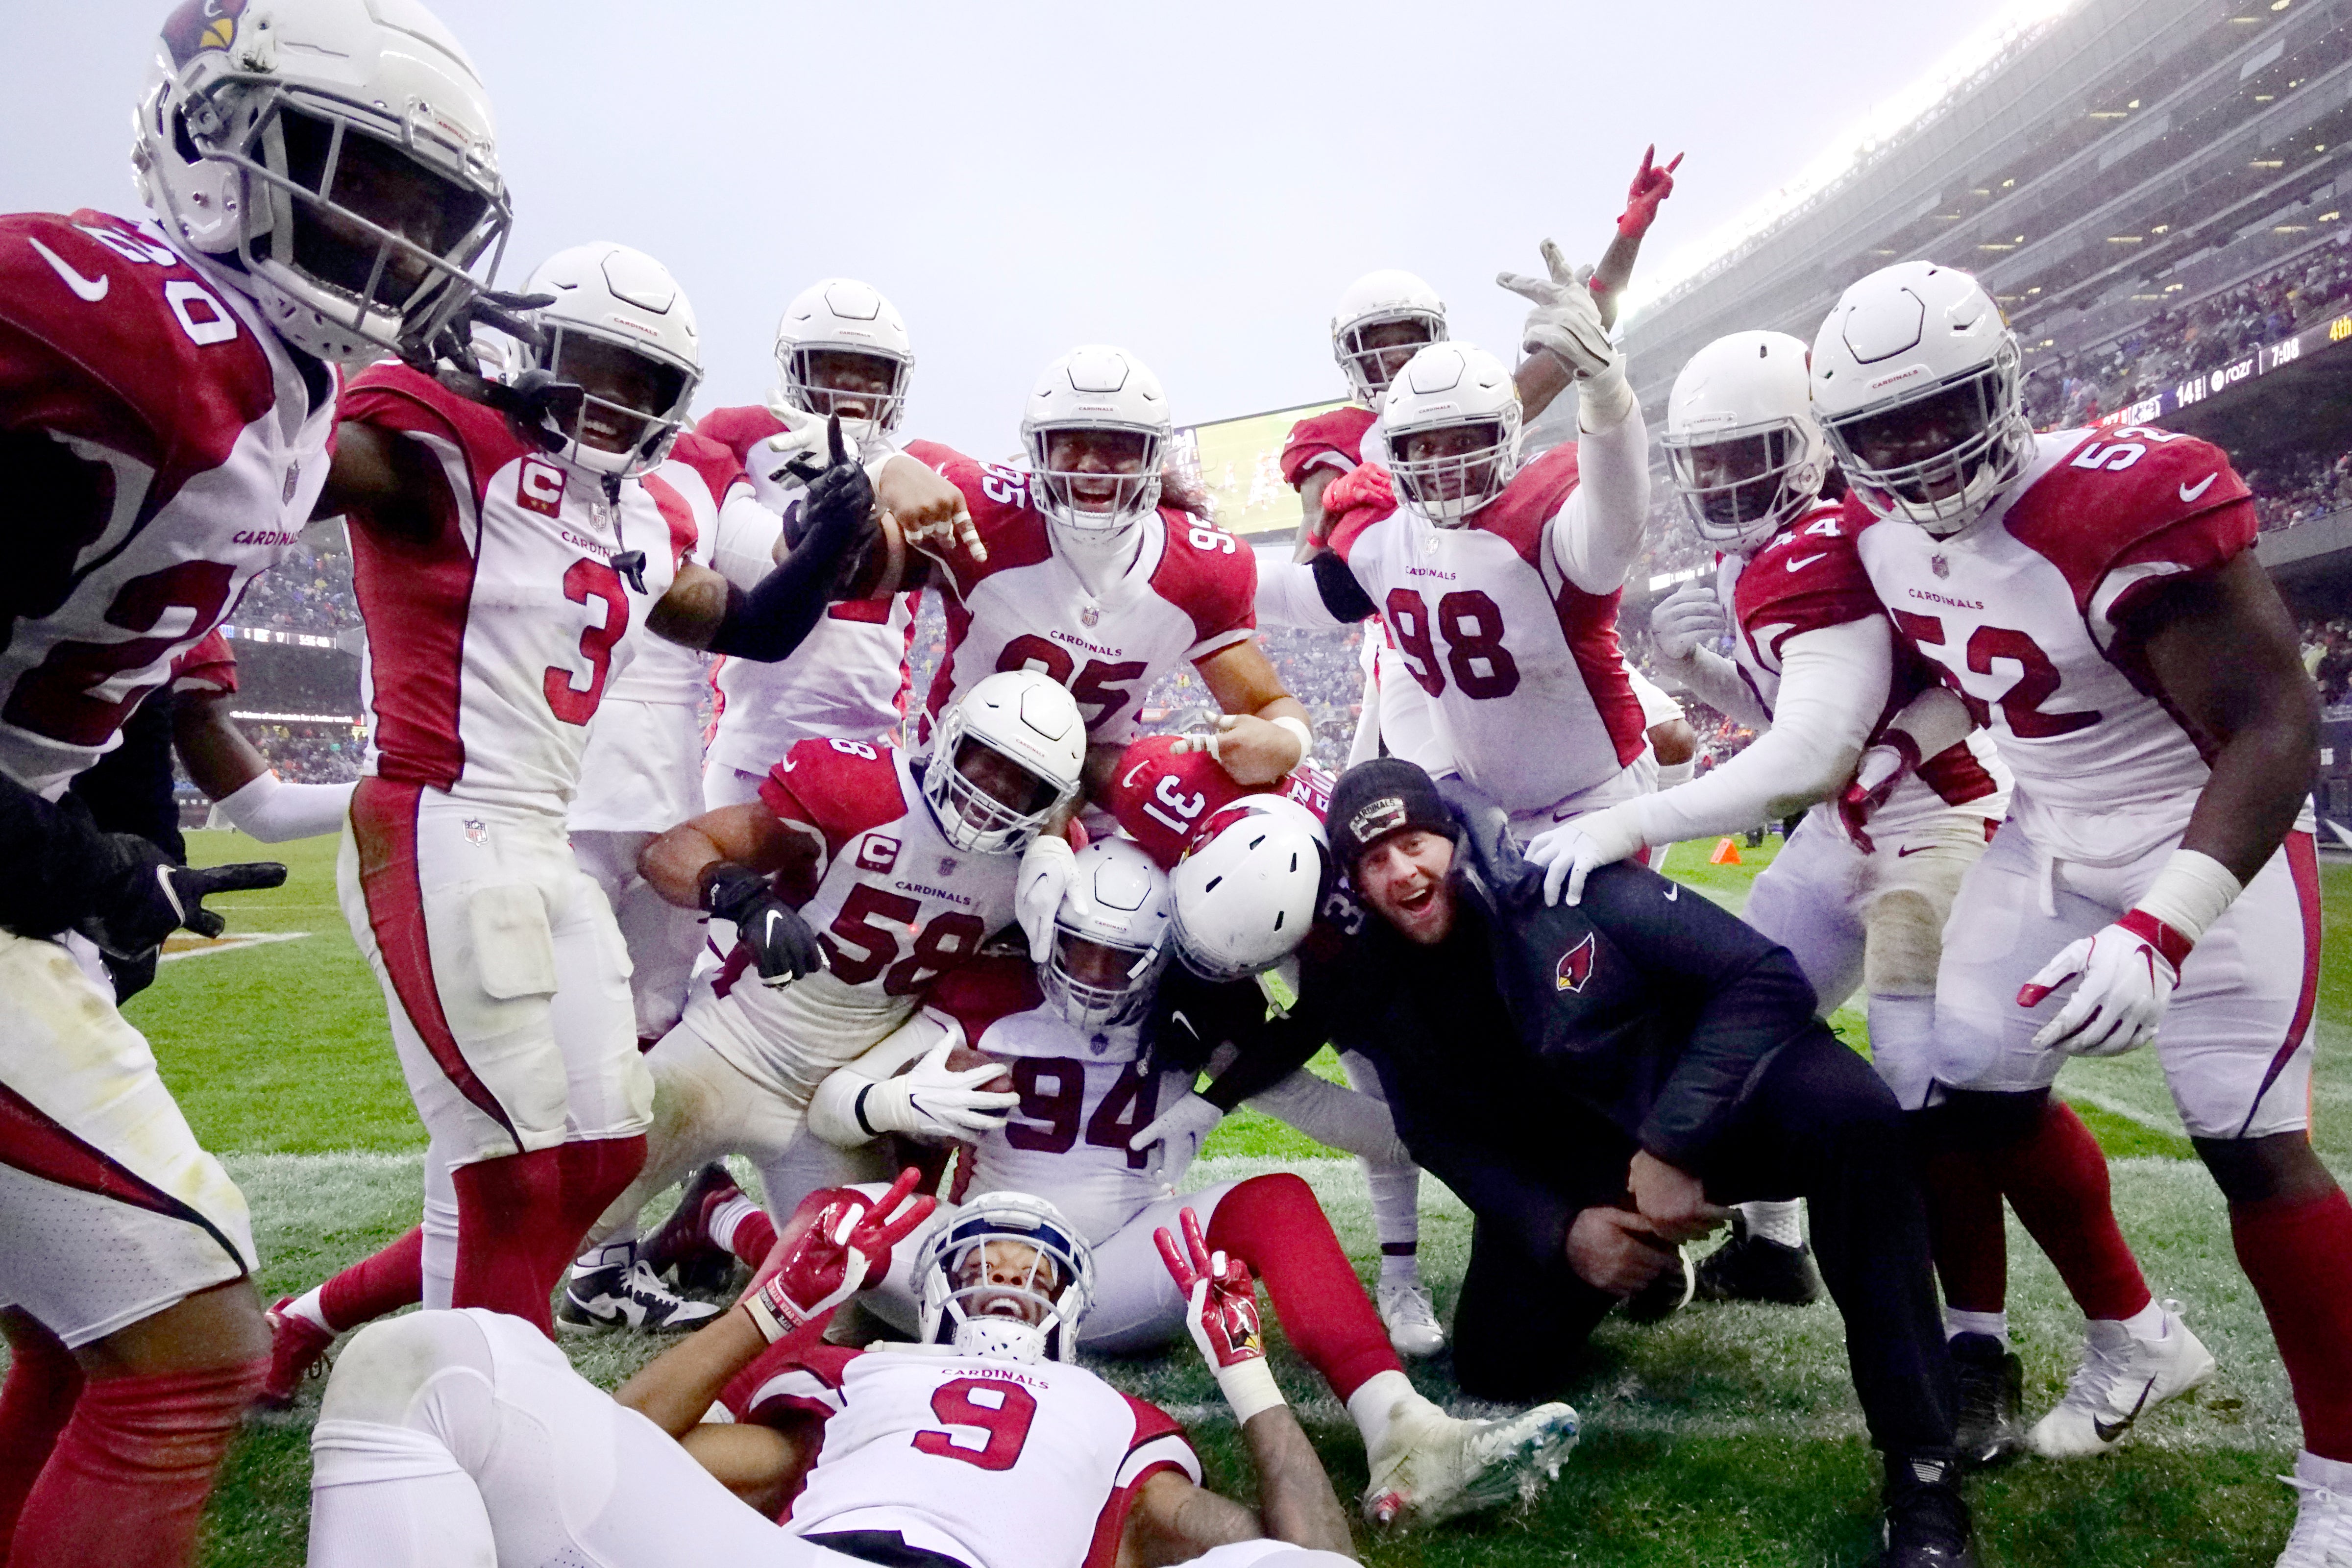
x: 1725, y: 1435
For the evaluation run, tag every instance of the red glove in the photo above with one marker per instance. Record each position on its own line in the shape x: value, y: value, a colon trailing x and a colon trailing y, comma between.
x: 1651, y: 185
x: 1221, y: 1313
x: 1882, y: 766
x: 805, y: 1277
x: 1357, y: 500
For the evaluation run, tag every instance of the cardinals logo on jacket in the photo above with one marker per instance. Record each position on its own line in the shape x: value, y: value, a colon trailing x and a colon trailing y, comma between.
x: 1575, y: 966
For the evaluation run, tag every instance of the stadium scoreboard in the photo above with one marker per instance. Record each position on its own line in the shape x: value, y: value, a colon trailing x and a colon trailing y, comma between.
x: 1239, y: 462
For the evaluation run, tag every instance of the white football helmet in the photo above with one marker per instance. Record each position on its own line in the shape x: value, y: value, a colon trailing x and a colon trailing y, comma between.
x: 1111, y: 936
x: 841, y: 315
x: 335, y: 160
x: 1096, y: 388
x: 618, y: 315
x: 1008, y: 1279
x: 1449, y: 386
x: 1376, y: 299
x: 1246, y: 890
x: 1022, y: 715
x: 1742, y: 446
x: 1915, y: 382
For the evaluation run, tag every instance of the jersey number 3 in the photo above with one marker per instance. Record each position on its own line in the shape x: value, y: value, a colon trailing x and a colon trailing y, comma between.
x: 587, y: 582
x: 1002, y: 1410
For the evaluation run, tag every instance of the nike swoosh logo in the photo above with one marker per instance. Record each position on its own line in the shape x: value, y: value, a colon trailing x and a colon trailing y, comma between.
x: 2109, y: 1431
x: 1798, y: 565
x: 1674, y: 892
x: 1914, y: 849
x: 91, y: 292
x: 1129, y: 782
x: 2187, y: 492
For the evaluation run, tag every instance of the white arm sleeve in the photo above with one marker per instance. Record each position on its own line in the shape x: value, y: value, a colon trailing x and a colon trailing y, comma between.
x: 832, y: 1108
x: 268, y: 808
x: 1596, y: 535
x: 743, y: 543
x: 1716, y: 681
x: 1832, y: 687
x: 1288, y: 595
x: 1936, y: 720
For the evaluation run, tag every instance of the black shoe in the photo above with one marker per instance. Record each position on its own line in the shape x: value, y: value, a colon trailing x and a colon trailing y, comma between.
x: 1749, y: 1268
x: 620, y: 1293
x: 1927, y: 1518
x: 682, y: 1247
x: 1991, y: 1387
x: 1669, y: 1293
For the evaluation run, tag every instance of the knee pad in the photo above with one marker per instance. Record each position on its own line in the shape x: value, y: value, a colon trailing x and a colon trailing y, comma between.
x: 1905, y: 942
x: 378, y: 1375
x: 2256, y: 1170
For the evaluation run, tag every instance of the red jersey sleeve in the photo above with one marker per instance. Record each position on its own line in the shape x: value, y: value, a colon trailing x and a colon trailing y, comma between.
x: 998, y: 500
x: 838, y: 788
x: 978, y: 993
x: 736, y: 429
x: 1334, y: 439
x: 788, y: 1381
x: 1810, y: 576
x: 1530, y: 501
x: 1156, y: 1443
x: 2129, y: 509
x: 1355, y: 501
x: 209, y: 666
x: 1210, y: 575
x: 717, y: 465
x: 106, y: 335
x: 391, y: 397
x: 1160, y: 796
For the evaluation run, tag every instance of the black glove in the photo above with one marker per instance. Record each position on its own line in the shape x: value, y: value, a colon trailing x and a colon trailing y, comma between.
x: 143, y: 896
x: 839, y: 503
x: 772, y: 620
x: 783, y: 946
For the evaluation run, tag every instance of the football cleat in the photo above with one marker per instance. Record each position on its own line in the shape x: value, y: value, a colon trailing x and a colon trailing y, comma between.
x: 298, y: 1349
x: 2121, y: 1379
x: 1990, y: 1381
x: 1926, y: 1520
x: 2323, y: 1521
x: 682, y: 1247
x: 618, y: 1291
x: 1433, y: 1467
x: 1411, y: 1319
x: 1753, y: 1268
x: 1669, y: 1293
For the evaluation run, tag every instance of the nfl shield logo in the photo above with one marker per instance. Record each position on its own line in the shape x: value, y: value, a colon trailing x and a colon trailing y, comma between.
x: 293, y: 478
x: 1939, y: 567
x: 476, y: 831
x: 947, y: 863
x: 1090, y: 615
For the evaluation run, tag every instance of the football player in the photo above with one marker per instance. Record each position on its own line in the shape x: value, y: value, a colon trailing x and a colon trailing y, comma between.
x: 456, y: 1436
x: 859, y: 876
x: 167, y: 398
x: 2094, y: 597
x: 1072, y: 1040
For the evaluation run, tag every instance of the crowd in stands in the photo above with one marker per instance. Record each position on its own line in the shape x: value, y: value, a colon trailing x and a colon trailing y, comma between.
x: 2299, y: 488
x: 2169, y: 345
x: 309, y: 590
x: 2328, y: 656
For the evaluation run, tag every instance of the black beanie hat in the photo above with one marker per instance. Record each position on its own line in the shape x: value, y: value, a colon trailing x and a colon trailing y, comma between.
x: 1376, y: 798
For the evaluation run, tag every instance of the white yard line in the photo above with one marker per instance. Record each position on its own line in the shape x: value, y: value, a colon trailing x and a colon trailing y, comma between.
x: 236, y: 944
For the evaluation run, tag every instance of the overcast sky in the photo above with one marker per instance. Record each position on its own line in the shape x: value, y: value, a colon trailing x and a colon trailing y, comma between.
x: 1195, y: 183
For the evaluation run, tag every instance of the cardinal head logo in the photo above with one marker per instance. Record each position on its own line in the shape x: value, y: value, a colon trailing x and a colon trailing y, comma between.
x: 1575, y: 966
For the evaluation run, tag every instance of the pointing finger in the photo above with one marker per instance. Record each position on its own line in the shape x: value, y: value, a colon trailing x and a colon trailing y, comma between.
x: 1556, y: 262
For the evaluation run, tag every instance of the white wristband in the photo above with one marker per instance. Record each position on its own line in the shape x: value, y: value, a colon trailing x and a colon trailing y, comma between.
x: 1249, y: 1387
x: 1603, y: 401
x: 2190, y: 893
x: 1297, y: 726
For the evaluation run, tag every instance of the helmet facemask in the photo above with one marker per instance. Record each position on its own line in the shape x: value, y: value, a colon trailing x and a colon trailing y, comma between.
x: 865, y: 387
x: 1448, y: 471
x: 1008, y: 1280
x: 986, y: 801
x: 1739, y: 486
x: 1094, y: 481
x: 634, y: 401
x: 1097, y: 984
x: 1937, y: 457
x: 1372, y: 350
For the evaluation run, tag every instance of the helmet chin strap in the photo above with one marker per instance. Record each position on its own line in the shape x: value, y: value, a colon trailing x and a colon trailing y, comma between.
x: 1001, y: 1338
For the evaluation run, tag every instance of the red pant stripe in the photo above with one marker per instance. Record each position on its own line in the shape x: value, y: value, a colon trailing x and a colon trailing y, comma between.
x: 383, y: 825
x: 36, y: 1143
x: 2303, y: 861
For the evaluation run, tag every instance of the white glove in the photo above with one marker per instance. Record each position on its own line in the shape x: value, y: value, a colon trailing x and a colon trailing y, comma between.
x: 1174, y: 1137
x: 1690, y: 617
x: 801, y: 440
x: 1566, y: 322
x: 2129, y: 969
x: 1046, y: 866
x: 1571, y: 851
x: 927, y: 1100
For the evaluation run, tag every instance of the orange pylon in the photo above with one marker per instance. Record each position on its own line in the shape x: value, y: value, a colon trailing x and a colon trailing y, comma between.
x: 1726, y: 853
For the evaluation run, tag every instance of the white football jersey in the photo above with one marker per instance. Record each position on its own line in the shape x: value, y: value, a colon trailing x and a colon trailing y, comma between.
x: 492, y: 643
x: 2017, y: 613
x: 196, y: 451
x: 1189, y: 593
x: 1527, y: 685
x: 850, y: 680
x: 1809, y: 577
x: 995, y: 1464
x: 894, y: 904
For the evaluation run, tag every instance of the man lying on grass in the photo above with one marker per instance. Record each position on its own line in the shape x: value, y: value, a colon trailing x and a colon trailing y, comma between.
x: 1594, y: 1079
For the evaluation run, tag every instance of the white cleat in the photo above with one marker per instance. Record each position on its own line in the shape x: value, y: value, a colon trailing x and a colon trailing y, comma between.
x: 2322, y: 1522
x: 1411, y: 1319
x: 2121, y: 1379
x: 618, y: 1291
x: 1432, y: 1465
